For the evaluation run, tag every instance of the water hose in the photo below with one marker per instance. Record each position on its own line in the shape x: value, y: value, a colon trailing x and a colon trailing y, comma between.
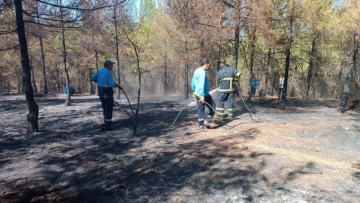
x: 242, y: 99
x: 245, y: 103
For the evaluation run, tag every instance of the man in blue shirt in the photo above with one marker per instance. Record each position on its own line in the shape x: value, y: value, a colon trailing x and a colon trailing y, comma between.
x: 105, y: 83
x: 253, y: 83
x: 200, y: 86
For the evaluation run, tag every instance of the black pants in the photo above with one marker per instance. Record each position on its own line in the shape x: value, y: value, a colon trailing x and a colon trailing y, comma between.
x: 225, y: 101
x: 210, y: 103
x: 253, y: 90
x: 107, y: 103
x: 280, y: 92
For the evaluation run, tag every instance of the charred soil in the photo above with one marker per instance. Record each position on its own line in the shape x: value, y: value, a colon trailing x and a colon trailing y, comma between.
x: 308, y: 152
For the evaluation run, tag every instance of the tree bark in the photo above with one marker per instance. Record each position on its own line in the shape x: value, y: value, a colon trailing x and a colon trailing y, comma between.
x: 33, y: 81
x: 43, y: 68
x: 236, y: 35
x: 351, y: 66
x: 236, y: 45
x: 1, y: 84
x: 67, y: 78
x: 32, y: 116
x: 97, y: 68
x: 311, y: 66
x: 252, y: 56
x: 186, y: 72
x: 165, y: 75
x: 117, y: 55
x: 42, y: 56
x: 268, y: 69
x: 287, y: 59
x: 90, y: 83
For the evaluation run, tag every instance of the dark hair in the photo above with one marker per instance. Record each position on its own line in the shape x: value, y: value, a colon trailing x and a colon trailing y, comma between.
x: 221, y: 61
x: 204, y: 61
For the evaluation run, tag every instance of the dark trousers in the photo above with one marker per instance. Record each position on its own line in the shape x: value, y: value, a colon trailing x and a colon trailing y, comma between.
x: 210, y: 103
x: 253, y: 90
x: 280, y: 92
x: 107, y: 103
x: 107, y: 106
x: 225, y: 101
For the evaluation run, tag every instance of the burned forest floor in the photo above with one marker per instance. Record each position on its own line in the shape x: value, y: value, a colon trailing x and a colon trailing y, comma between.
x: 308, y: 152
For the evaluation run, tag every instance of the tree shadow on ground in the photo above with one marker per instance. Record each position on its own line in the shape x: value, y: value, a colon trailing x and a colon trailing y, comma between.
x: 71, y: 161
x: 110, y: 168
x: 294, y: 102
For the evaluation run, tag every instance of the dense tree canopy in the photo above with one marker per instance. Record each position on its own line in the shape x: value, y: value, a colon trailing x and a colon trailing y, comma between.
x: 311, y: 41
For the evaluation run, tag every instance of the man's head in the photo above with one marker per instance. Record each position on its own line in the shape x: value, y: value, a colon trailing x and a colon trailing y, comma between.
x: 252, y: 75
x: 222, y: 62
x: 205, y: 63
x: 109, y: 64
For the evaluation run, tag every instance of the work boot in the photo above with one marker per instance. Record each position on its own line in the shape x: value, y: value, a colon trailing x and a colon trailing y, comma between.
x: 201, y: 125
x: 230, y: 117
x: 220, y: 117
x: 107, y: 126
x: 209, y: 122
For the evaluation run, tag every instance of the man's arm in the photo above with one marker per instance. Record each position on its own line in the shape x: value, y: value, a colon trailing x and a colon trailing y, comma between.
x: 111, y: 81
x: 94, y: 77
x: 193, y: 83
x: 236, y: 75
x: 201, y: 84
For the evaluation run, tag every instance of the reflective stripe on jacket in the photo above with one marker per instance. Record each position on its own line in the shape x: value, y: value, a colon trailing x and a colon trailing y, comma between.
x: 226, y: 78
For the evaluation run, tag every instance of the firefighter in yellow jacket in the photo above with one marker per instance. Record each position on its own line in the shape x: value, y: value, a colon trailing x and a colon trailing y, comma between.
x: 226, y: 77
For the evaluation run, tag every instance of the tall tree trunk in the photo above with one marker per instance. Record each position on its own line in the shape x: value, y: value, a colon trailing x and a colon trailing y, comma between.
x: 43, y: 68
x: 117, y: 55
x: 268, y: 69
x: 9, y: 85
x: 165, y: 75
x: 97, y: 68
x: 252, y: 56
x: 236, y: 34
x: 33, y: 82
x: 311, y: 66
x: 90, y: 91
x: 58, y: 78
x: 286, y: 76
x: 351, y: 66
x: 1, y: 84
x: 67, y: 77
x: 219, y: 36
x: 186, y: 72
x: 42, y: 56
x: 32, y: 116
x: 287, y: 59
x: 236, y: 46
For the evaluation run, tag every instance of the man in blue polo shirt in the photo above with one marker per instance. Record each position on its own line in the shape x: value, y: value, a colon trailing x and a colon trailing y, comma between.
x: 105, y: 83
x: 200, y: 86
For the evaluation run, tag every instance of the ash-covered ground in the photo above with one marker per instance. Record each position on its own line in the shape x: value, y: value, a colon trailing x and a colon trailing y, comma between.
x: 306, y: 153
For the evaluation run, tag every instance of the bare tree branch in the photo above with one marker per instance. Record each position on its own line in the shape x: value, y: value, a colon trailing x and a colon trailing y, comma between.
x: 10, y: 48
x: 7, y: 32
x: 77, y: 7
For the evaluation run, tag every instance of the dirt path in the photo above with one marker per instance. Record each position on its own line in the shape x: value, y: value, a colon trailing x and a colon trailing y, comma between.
x: 306, y: 153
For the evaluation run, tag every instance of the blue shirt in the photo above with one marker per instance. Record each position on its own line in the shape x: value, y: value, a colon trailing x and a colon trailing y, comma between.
x: 254, y: 82
x: 103, y: 78
x: 200, y: 82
